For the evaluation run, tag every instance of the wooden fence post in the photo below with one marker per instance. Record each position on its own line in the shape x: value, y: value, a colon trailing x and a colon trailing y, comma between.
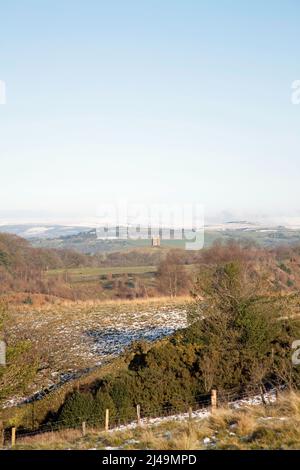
x: 138, y: 412
x: 190, y: 413
x: 83, y: 428
x: 262, y: 395
x: 106, y: 419
x: 213, y: 400
x: 13, y: 437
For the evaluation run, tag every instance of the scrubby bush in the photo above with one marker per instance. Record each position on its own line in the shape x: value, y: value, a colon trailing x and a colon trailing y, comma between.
x: 21, y: 361
x: 101, y: 403
x: 239, y: 329
x: 78, y: 407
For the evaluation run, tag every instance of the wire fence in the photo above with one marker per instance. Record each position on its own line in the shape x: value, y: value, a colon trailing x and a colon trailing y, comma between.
x: 200, y: 407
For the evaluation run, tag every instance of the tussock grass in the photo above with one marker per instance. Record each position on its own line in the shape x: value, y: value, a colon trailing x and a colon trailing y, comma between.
x: 288, y: 404
x: 50, y: 440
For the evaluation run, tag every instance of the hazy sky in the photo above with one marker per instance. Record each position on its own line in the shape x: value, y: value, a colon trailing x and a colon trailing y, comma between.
x: 161, y: 100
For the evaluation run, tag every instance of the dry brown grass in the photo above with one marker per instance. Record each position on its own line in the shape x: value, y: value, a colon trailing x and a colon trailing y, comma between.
x: 187, y: 439
x: 275, y: 426
x: 59, y: 302
x: 246, y: 423
x: 288, y: 404
x: 50, y: 440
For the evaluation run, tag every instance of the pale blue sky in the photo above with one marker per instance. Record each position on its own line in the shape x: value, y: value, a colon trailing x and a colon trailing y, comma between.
x: 164, y: 100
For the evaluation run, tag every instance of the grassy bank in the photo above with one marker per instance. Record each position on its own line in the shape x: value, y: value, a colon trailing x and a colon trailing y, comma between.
x: 275, y: 426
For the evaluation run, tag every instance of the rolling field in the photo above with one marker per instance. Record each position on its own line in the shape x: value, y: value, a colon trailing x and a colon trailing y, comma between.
x: 81, y: 274
x: 88, y: 273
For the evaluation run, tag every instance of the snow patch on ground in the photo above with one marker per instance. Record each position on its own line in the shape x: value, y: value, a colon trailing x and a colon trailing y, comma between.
x: 74, y: 341
x: 200, y: 414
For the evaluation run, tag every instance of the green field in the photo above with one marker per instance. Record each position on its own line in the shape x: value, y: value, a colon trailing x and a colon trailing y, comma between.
x: 92, y: 274
x: 88, y: 273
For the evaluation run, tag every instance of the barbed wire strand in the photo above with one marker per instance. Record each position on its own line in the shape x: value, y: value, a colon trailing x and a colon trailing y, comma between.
x: 202, y: 404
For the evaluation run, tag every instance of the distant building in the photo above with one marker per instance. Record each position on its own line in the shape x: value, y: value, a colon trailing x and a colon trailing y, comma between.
x: 155, y: 241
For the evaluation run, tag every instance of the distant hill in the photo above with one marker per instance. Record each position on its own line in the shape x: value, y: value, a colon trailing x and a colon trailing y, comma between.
x: 42, y: 231
x: 84, y: 239
x: 87, y: 242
